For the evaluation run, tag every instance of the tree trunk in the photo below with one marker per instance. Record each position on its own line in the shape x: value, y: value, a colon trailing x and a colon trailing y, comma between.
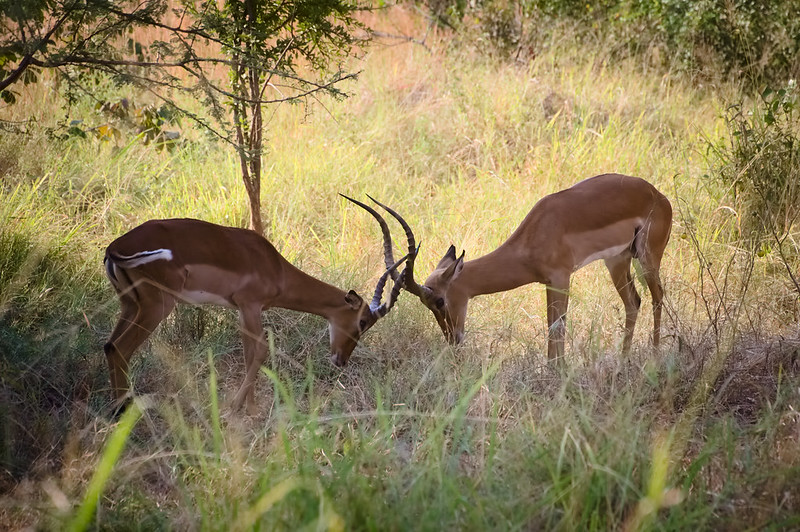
x: 250, y: 164
x: 248, y: 122
x: 255, y: 145
x: 253, y: 186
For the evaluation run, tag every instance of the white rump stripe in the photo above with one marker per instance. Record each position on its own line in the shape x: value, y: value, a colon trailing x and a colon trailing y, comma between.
x: 143, y: 257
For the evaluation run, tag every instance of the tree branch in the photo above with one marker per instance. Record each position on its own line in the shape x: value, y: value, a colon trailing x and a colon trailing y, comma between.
x: 28, y: 59
x: 406, y: 38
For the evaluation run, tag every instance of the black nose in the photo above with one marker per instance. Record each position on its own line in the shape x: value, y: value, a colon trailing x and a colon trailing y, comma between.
x: 338, y: 360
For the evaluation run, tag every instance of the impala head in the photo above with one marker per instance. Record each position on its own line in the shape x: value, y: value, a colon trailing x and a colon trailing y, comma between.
x: 439, y: 293
x: 442, y: 296
x: 355, y: 317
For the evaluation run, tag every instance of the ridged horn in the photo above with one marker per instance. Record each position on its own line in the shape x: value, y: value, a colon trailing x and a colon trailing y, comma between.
x: 382, y: 309
x: 388, y: 255
x: 410, y: 284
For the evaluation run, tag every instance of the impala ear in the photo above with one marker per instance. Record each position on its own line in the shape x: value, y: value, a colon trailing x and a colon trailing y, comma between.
x: 448, y: 258
x: 354, y: 300
x: 454, y: 270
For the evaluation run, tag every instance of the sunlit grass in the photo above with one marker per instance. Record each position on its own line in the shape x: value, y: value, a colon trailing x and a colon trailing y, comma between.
x: 413, y: 434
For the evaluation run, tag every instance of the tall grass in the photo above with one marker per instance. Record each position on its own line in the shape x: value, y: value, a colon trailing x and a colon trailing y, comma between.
x: 413, y: 434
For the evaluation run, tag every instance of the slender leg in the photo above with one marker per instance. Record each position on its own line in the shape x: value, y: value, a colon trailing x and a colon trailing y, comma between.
x: 620, y: 269
x: 557, y: 303
x: 118, y: 364
x: 142, y: 311
x: 650, y: 246
x: 255, y: 354
x: 653, y: 280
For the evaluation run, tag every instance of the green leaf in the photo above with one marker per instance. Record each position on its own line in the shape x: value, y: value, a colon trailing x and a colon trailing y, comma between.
x: 8, y: 97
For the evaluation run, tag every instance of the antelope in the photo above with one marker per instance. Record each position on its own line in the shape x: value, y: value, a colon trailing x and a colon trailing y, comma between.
x: 611, y: 217
x: 164, y: 262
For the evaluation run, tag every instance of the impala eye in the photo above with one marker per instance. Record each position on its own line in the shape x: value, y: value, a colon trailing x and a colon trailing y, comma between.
x: 440, y: 303
x: 362, y: 324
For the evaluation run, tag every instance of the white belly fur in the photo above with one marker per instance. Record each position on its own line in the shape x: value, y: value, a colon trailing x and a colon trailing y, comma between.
x: 200, y: 297
x: 607, y: 253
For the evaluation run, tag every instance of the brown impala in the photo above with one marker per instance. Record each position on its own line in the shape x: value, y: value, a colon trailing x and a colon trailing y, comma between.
x: 611, y: 217
x: 164, y: 262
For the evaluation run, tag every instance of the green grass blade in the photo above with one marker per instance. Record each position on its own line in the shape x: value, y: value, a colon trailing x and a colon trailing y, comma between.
x: 111, y: 454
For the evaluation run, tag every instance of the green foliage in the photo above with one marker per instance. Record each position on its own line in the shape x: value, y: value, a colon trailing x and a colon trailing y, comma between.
x: 750, y: 40
x: 761, y: 163
x: 115, y: 121
x: 44, y: 34
x: 413, y: 434
x: 755, y: 41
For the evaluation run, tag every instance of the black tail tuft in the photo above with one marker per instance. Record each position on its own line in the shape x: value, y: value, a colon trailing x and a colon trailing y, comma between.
x: 634, y: 242
x: 109, y: 265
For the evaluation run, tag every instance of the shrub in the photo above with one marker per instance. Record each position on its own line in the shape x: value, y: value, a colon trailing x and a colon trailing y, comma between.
x: 753, y: 41
x: 760, y: 164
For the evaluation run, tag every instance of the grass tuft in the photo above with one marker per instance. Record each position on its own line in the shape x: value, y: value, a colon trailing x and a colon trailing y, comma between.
x: 413, y: 434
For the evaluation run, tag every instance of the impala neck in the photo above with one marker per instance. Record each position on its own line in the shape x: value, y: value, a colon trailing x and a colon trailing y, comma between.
x: 305, y: 293
x: 498, y: 271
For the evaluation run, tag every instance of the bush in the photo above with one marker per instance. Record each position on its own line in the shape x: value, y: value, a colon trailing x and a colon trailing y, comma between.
x: 753, y: 41
x: 760, y: 165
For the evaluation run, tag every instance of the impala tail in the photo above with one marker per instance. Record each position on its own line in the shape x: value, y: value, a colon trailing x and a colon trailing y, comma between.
x: 137, y: 259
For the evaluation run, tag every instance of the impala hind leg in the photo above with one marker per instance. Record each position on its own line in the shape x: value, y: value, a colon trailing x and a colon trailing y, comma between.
x: 255, y: 354
x: 650, y: 245
x: 143, y: 309
x: 620, y: 269
x: 117, y: 364
x: 557, y: 303
x: 651, y: 267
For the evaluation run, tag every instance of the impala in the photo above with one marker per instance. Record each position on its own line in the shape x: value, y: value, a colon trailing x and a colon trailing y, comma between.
x: 611, y: 217
x: 164, y: 262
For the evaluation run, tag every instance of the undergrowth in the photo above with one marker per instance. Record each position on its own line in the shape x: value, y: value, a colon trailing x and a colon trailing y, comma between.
x: 413, y: 434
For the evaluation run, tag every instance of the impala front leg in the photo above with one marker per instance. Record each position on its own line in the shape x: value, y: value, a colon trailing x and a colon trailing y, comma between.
x: 254, y: 355
x: 557, y: 302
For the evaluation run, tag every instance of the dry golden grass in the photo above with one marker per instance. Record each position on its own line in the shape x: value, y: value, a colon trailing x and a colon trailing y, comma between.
x: 414, y: 433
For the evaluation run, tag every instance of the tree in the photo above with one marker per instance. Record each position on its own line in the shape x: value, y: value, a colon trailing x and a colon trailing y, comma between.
x: 269, y: 49
x: 39, y: 34
x: 266, y: 41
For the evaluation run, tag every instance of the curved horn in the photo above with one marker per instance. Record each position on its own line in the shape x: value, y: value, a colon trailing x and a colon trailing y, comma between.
x: 395, y: 293
x: 410, y: 284
x: 388, y: 255
x: 375, y: 306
